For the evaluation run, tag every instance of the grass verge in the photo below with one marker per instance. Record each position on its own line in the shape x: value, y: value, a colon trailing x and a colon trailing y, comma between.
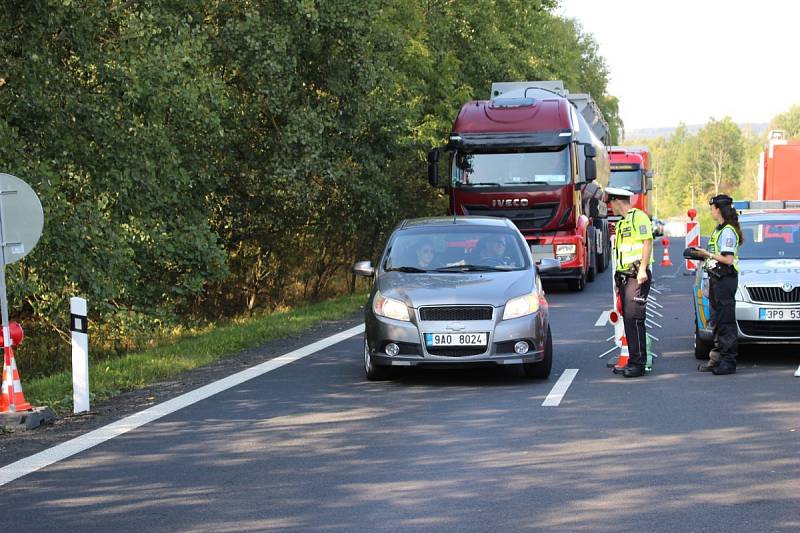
x: 110, y: 377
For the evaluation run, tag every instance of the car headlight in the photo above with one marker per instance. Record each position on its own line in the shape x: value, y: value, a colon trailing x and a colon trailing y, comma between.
x: 565, y: 249
x: 521, y: 306
x: 389, y: 307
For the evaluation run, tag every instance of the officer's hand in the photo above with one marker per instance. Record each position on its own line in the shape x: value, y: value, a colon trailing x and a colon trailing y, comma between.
x: 705, y: 253
x: 641, y: 277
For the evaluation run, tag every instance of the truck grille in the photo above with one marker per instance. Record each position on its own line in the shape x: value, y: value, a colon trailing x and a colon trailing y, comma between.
x: 463, y: 312
x: 774, y: 295
x: 760, y: 328
x: 450, y: 351
x: 525, y: 219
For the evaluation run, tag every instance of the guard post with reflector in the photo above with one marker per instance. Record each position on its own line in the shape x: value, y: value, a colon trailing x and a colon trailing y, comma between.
x: 80, y: 355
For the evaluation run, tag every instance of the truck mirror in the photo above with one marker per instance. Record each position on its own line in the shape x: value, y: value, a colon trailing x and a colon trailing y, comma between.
x: 433, y: 167
x: 589, y: 150
x: 649, y: 184
x: 591, y: 168
x: 649, y: 174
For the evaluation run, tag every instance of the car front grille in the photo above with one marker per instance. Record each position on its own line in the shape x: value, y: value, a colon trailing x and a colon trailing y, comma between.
x: 463, y: 312
x: 774, y: 295
x: 451, y: 351
x: 777, y: 328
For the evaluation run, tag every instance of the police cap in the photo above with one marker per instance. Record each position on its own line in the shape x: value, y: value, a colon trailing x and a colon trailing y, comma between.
x: 720, y: 200
x: 616, y: 193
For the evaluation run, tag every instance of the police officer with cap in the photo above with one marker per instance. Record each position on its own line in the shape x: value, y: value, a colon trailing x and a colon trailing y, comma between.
x: 633, y: 256
x: 722, y: 264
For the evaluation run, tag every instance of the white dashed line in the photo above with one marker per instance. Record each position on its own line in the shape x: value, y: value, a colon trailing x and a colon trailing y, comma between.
x: 560, y: 388
x: 603, y: 320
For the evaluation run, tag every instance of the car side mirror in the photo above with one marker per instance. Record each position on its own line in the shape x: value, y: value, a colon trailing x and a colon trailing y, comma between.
x: 433, y: 167
x: 548, y: 265
x: 364, y: 268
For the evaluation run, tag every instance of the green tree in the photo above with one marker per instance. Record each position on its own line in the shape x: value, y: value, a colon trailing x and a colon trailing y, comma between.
x: 720, y: 155
x: 789, y: 121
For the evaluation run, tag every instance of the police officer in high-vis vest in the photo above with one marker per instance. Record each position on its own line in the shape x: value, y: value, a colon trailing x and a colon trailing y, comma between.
x: 722, y: 265
x: 633, y: 248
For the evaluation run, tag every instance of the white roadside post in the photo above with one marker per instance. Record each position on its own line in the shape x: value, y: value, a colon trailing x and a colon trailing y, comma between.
x: 80, y: 355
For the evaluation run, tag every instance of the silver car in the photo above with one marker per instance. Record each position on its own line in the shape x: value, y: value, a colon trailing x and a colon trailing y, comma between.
x: 454, y: 292
x: 768, y: 296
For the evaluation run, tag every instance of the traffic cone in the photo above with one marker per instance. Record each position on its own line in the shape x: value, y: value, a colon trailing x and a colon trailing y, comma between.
x: 665, y: 262
x: 11, y: 398
x: 622, y: 362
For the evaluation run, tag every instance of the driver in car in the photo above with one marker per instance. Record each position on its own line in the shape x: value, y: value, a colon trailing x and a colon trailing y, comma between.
x: 493, y: 250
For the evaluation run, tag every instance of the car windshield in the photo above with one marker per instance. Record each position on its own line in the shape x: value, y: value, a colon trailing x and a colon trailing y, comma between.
x: 777, y: 239
x: 630, y: 180
x: 511, y: 169
x: 456, y: 249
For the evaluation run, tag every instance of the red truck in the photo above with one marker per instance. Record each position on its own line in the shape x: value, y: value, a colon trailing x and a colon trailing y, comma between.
x: 631, y: 169
x: 779, y: 168
x: 533, y: 154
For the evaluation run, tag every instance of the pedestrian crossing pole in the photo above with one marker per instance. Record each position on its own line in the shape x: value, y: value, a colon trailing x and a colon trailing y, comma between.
x: 80, y: 355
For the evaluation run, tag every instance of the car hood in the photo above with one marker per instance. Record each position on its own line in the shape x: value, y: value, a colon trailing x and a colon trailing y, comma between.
x: 769, y: 271
x: 467, y: 288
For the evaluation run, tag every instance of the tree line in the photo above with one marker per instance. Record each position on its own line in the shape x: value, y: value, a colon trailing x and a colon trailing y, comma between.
x: 721, y: 157
x: 204, y: 159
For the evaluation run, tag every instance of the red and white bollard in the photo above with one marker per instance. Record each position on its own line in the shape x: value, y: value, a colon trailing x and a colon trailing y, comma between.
x: 692, y: 239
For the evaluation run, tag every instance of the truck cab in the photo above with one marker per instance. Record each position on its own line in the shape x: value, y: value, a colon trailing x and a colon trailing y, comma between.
x: 631, y: 170
x: 528, y: 154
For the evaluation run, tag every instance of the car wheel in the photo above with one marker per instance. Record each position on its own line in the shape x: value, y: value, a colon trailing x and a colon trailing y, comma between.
x: 541, y: 370
x: 374, y: 372
x: 701, y: 347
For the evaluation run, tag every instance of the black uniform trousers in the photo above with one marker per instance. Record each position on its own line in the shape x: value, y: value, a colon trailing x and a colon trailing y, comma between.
x: 722, y: 302
x: 634, y: 313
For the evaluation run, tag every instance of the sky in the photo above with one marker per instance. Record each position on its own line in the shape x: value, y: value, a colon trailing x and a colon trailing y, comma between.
x: 674, y: 61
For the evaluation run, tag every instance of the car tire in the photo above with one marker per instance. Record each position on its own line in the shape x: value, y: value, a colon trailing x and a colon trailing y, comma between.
x: 374, y: 372
x: 701, y: 347
x: 541, y: 370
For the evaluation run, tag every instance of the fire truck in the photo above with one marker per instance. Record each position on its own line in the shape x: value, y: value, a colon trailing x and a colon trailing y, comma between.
x: 631, y: 169
x: 535, y: 154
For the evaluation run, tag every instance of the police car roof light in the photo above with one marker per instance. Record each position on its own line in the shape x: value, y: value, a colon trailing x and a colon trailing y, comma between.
x: 741, y: 204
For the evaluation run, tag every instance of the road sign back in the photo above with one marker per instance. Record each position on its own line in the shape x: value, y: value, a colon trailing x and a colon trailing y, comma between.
x: 22, y: 217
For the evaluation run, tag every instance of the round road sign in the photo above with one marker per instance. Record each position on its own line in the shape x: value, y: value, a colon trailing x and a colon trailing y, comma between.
x: 22, y: 217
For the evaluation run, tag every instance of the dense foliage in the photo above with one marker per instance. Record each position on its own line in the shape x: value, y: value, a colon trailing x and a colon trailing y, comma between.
x: 199, y: 159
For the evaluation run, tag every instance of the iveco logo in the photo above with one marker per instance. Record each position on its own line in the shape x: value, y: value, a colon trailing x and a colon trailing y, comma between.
x: 787, y: 287
x: 455, y: 326
x: 510, y: 202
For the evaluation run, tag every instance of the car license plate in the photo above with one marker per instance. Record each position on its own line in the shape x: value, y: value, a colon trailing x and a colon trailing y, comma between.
x: 778, y: 314
x: 456, y: 339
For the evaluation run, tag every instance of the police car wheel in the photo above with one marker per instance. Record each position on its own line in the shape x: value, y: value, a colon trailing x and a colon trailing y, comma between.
x: 701, y: 347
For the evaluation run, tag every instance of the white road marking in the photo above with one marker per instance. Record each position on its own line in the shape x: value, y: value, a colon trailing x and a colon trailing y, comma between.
x: 560, y: 388
x: 84, y: 442
x: 603, y: 320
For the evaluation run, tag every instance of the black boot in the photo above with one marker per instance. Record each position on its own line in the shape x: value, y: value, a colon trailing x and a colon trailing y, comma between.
x: 634, y: 371
x: 723, y: 370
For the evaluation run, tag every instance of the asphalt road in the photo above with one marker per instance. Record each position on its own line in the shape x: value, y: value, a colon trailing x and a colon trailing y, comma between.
x: 314, y: 446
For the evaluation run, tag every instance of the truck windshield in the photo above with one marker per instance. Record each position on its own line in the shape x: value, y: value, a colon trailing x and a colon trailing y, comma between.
x: 511, y: 169
x: 630, y: 180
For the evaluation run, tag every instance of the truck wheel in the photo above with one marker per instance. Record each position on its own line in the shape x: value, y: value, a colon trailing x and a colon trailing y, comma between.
x: 541, y: 370
x: 701, y: 347
x: 578, y: 284
x: 602, y: 258
x: 591, y: 257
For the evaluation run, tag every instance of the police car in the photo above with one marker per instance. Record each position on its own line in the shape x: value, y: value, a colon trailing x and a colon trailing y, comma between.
x: 768, y: 296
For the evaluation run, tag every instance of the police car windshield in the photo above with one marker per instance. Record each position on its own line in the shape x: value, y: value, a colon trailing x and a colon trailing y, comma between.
x: 510, y: 169
x: 630, y: 180
x: 778, y: 239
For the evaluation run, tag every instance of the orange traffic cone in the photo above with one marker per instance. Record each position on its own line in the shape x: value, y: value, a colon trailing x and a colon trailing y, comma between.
x: 622, y: 362
x: 11, y: 398
x: 665, y: 262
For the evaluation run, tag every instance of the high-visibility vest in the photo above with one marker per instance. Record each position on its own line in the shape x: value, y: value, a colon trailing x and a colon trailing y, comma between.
x: 629, y: 249
x: 712, y: 244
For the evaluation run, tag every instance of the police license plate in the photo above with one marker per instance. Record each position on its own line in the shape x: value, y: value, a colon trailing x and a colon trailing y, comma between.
x: 456, y: 339
x: 778, y: 314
